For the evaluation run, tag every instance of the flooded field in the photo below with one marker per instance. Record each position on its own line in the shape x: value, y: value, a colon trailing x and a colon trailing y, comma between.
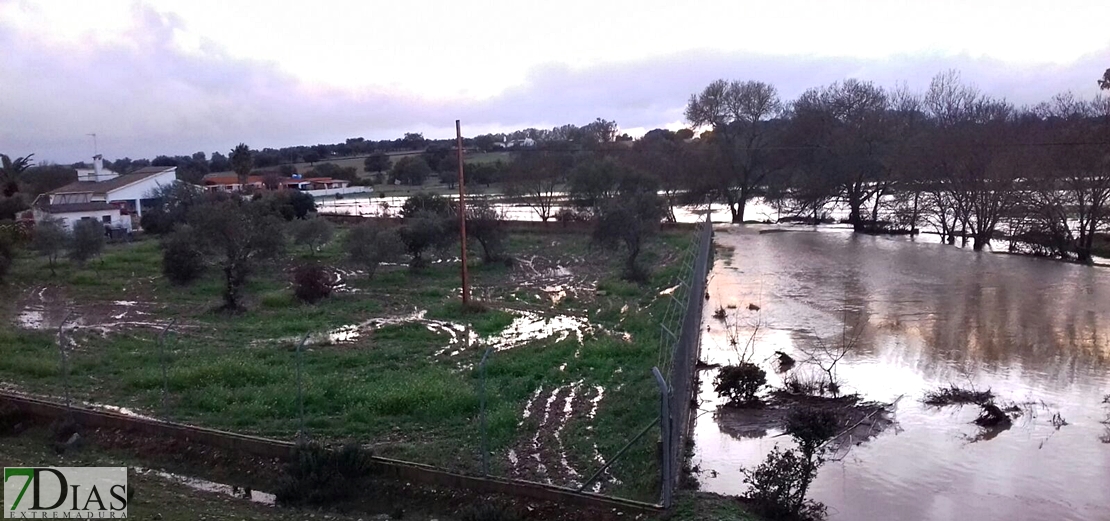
x: 1034, y: 332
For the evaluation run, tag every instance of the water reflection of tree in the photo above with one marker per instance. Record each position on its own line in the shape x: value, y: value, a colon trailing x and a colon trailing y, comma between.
x: 986, y: 317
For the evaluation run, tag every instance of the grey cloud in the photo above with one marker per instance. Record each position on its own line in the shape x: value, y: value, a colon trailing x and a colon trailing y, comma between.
x: 150, y: 98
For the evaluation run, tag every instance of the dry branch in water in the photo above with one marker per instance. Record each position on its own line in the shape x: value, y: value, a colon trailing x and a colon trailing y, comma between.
x: 953, y: 395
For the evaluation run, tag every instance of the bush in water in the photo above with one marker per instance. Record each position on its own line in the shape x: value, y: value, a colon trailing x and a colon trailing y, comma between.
x: 740, y: 383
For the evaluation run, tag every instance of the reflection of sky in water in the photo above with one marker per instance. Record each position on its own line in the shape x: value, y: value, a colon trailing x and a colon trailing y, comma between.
x: 1029, y: 329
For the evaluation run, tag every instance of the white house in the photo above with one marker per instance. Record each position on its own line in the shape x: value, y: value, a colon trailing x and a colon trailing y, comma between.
x: 106, y: 196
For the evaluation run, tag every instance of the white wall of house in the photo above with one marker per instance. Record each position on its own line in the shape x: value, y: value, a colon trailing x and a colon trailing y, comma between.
x: 68, y: 218
x: 337, y: 191
x: 143, y: 188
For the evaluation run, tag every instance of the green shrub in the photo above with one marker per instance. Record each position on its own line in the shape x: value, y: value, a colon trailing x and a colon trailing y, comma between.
x: 311, y: 283
x: 740, y: 383
x: 316, y: 475
x: 777, y: 486
x: 182, y: 258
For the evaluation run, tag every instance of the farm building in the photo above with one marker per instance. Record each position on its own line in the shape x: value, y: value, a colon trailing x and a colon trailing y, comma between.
x: 114, y: 199
x: 312, y: 185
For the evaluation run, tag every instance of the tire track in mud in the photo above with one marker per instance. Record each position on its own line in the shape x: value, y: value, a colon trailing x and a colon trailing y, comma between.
x: 541, y: 453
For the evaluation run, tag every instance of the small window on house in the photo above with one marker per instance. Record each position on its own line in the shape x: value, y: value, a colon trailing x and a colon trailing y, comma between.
x: 107, y: 219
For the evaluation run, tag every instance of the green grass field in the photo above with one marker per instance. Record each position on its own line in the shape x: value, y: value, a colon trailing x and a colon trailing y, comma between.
x: 395, y: 387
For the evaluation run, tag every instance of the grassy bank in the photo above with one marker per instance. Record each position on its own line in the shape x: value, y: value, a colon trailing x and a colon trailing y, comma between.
x: 407, y: 388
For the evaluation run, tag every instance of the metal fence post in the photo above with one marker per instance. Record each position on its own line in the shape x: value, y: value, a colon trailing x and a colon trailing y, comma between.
x: 300, y: 390
x: 162, y: 361
x: 485, y: 436
x: 64, y: 359
x: 665, y: 430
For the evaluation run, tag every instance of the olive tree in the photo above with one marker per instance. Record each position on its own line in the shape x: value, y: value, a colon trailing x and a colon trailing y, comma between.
x: 628, y: 218
x: 238, y: 235
x: 486, y: 224
x: 371, y: 244
x: 86, y: 241
x: 313, y: 233
x: 49, y: 240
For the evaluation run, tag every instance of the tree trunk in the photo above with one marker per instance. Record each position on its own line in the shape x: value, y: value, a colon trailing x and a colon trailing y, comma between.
x: 739, y: 217
x: 916, y: 213
x: 980, y: 241
x: 855, y: 217
x: 231, y: 291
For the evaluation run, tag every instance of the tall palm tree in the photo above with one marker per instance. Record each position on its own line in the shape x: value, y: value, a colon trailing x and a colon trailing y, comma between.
x: 242, y: 162
x: 9, y: 172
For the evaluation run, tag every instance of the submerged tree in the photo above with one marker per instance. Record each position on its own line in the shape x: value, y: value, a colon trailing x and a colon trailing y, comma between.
x: 778, y: 487
x: 537, y: 178
x: 739, y: 113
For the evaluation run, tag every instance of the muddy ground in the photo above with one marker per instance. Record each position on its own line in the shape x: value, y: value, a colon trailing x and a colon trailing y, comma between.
x: 231, y: 479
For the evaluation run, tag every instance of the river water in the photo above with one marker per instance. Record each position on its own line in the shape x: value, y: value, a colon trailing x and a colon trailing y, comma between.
x: 1035, y: 332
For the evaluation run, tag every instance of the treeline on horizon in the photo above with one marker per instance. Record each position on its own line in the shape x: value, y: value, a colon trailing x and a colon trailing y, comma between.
x: 954, y: 158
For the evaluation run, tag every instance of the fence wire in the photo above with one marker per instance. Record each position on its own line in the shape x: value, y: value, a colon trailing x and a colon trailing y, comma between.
x: 680, y: 343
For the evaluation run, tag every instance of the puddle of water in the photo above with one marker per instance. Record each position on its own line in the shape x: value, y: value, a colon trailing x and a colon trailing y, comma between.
x: 529, y: 327
x: 556, y: 293
x: 351, y: 332
x: 568, y: 407
x: 927, y: 315
x: 120, y: 410
x: 558, y: 272
x: 31, y: 318
x: 211, y: 486
x: 528, y: 405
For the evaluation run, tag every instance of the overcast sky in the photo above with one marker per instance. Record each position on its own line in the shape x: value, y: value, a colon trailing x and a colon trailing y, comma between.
x: 175, y: 77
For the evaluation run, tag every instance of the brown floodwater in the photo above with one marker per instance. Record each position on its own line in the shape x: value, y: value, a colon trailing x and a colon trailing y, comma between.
x: 1036, y: 332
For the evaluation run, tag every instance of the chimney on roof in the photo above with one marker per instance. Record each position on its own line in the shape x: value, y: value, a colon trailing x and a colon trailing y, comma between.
x: 98, y: 166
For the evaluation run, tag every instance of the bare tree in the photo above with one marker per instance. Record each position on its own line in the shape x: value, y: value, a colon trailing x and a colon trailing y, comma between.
x: 827, y: 354
x: 537, y: 178
x: 1072, y: 192
x: 846, y: 128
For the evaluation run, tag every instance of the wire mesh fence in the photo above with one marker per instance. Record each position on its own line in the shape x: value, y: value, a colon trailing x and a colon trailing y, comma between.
x: 679, y: 344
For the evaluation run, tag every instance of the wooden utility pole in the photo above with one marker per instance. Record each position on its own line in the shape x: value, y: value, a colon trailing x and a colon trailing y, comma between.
x: 462, y: 216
